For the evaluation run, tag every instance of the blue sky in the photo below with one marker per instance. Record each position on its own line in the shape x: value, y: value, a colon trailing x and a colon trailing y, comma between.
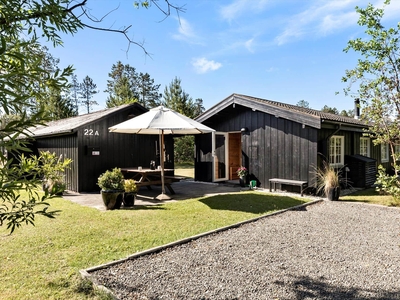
x: 281, y: 50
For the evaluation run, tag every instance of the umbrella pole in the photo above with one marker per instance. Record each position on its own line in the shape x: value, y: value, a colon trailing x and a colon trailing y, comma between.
x: 162, y: 196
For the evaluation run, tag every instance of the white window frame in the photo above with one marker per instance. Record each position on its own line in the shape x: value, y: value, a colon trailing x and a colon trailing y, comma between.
x: 385, y: 152
x: 336, y: 159
x: 365, y: 147
x: 397, y: 151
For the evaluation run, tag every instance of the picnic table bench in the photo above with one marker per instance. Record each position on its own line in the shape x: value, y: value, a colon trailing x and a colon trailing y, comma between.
x: 148, y: 177
x: 303, y: 184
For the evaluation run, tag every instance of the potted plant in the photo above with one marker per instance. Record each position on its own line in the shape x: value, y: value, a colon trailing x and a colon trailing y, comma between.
x: 242, y: 173
x: 328, y: 181
x: 112, y: 188
x: 130, y: 192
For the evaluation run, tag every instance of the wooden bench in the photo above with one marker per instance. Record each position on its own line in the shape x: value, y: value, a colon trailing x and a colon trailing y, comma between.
x: 302, y: 184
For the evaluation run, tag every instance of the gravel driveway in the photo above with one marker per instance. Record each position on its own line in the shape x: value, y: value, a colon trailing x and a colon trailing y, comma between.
x: 328, y: 250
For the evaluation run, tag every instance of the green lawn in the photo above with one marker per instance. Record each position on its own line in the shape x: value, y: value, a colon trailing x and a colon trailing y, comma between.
x: 42, y: 262
x: 370, y: 196
x: 185, y: 172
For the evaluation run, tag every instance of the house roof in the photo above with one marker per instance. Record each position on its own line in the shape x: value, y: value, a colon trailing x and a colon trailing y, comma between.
x: 306, y: 116
x: 69, y: 125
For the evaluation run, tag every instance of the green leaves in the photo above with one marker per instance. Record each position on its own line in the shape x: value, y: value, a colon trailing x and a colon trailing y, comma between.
x: 377, y: 75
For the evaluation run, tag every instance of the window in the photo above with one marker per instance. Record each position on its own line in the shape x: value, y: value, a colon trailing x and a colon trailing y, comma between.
x: 384, y: 152
x: 364, y: 146
x: 397, y: 151
x: 336, y: 151
x: 397, y: 148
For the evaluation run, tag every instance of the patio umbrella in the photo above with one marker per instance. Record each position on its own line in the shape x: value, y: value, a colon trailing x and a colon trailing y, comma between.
x: 161, y: 120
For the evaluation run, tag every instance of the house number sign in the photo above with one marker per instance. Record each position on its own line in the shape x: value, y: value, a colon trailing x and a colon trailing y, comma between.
x: 90, y: 132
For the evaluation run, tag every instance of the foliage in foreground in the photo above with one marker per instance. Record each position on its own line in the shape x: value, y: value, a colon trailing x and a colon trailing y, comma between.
x: 378, y: 87
x: 42, y: 262
x: 28, y: 79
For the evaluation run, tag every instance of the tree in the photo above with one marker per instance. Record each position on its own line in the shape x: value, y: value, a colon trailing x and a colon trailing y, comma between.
x: 74, y: 92
x: 23, y: 78
x: 127, y: 86
x: 378, y: 86
x: 347, y: 113
x: 58, y: 106
x: 176, y: 99
x: 331, y: 110
x: 87, y: 89
x: 123, y: 85
x: 148, y: 91
x: 198, y: 107
x: 303, y: 103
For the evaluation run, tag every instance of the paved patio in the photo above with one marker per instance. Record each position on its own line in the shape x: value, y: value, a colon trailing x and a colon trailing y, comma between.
x: 185, y: 189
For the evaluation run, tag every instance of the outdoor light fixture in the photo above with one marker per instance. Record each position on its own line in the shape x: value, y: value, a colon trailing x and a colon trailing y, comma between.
x: 244, y: 129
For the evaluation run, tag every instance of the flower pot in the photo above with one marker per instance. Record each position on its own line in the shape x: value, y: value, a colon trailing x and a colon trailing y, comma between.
x: 242, y: 181
x: 333, y: 194
x: 112, y: 199
x: 129, y: 199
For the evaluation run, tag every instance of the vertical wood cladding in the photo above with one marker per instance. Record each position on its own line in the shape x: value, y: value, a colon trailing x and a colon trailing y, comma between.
x: 93, y: 149
x: 65, y: 146
x: 272, y: 147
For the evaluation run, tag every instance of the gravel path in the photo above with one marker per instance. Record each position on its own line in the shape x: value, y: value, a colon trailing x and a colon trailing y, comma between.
x: 329, y: 250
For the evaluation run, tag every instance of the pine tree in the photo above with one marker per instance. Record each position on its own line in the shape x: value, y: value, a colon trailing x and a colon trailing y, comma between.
x: 198, y: 107
x: 87, y: 89
x: 74, y: 93
x: 148, y: 91
x: 176, y: 99
x: 122, y: 87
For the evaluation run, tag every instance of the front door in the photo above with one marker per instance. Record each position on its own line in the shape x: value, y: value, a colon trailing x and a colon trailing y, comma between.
x: 220, y: 156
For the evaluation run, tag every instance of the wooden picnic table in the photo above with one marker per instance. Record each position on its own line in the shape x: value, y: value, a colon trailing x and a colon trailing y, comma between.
x: 148, y: 177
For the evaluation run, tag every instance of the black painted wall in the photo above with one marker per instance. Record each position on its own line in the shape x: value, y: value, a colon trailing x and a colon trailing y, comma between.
x: 273, y: 147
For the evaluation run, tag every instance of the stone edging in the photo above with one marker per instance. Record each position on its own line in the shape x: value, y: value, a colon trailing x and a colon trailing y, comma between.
x: 85, y: 273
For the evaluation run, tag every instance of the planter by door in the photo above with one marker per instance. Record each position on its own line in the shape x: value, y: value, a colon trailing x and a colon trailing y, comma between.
x: 129, y: 199
x: 333, y: 194
x: 242, y: 181
x: 112, y: 199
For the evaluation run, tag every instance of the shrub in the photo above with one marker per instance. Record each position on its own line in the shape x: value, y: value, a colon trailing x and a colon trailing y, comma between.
x: 111, y: 180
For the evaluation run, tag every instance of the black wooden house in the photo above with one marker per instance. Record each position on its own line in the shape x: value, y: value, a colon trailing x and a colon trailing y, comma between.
x: 93, y: 149
x: 277, y: 140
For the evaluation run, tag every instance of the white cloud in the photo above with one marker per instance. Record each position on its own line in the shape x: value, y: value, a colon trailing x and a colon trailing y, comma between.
x: 249, y: 45
x: 239, y: 7
x: 325, y: 17
x: 203, y: 65
x: 186, y: 32
x: 320, y: 19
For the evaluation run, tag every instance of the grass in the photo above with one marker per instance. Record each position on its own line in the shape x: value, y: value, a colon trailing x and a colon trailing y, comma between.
x: 370, y: 196
x: 42, y: 262
x: 184, y: 169
x: 185, y: 172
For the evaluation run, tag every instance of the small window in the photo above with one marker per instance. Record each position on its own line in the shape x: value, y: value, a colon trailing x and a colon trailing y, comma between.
x: 397, y: 151
x: 384, y: 152
x: 336, y: 151
x: 364, y: 146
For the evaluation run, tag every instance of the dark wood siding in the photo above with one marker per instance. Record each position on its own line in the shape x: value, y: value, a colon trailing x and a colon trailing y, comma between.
x: 94, y: 149
x: 272, y: 147
x: 65, y: 146
x: 203, y: 158
x: 115, y: 150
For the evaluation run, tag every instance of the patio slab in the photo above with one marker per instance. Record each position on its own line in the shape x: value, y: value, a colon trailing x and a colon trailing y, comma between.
x: 185, y: 189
